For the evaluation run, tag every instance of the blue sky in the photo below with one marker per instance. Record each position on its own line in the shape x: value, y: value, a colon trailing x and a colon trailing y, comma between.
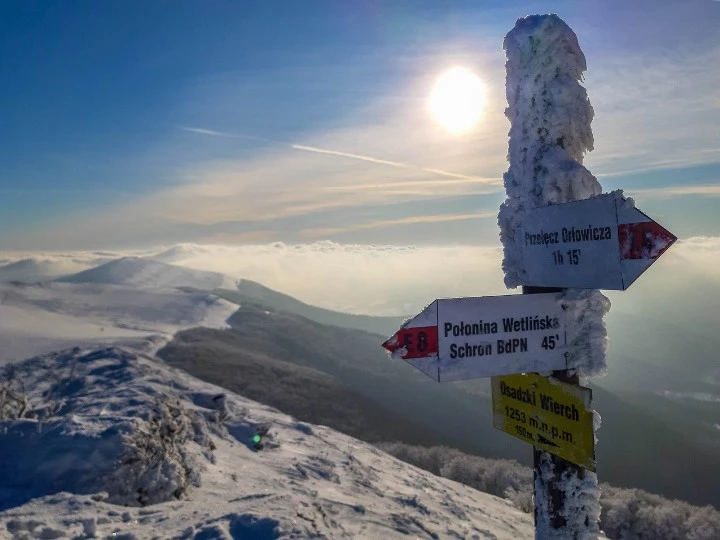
x: 131, y: 123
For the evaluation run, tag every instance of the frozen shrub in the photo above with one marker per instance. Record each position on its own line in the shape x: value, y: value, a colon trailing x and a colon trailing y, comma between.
x: 627, y: 514
x: 157, y: 464
x: 14, y: 402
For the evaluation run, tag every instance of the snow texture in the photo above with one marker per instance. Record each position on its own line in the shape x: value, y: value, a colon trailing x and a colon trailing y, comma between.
x: 579, y: 516
x: 41, y: 318
x: 550, y: 117
x: 398, y: 354
x: 550, y: 132
x: 584, y: 313
x: 116, y: 444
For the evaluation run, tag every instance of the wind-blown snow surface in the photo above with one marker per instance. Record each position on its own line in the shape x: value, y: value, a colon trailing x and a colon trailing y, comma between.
x: 33, y: 267
x: 93, y: 445
x: 40, y: 318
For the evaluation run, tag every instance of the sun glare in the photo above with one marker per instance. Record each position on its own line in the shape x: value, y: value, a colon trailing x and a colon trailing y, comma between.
x: 457, y: 100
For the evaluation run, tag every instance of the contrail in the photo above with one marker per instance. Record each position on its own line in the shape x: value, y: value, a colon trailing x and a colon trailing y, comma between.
x: 214, y: 133
x: 348, y: 155
x: 381, y: 161
x: 360, y: 157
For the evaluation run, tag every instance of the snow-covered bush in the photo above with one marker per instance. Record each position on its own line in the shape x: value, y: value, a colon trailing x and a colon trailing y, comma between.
x: 634, y: 514
x: 14, y: 402
x: 627, y: 514
x: 500, y: 477
x: 156, y: 465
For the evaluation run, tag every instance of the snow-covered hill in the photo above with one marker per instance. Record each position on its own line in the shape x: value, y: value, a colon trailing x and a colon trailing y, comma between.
x: 108, y: 427
x: 96, y: 422
x: 182, y: 252
x: 145, y: 273
x: 41, y: 268
x: 35, y: 319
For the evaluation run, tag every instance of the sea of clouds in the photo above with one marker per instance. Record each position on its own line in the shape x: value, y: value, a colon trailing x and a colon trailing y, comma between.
x: 383, y: 280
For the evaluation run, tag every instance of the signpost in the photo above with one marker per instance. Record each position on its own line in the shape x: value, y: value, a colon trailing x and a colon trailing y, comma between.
x: 549, y: 414
x: 598, y: 243
x: 464, y: 338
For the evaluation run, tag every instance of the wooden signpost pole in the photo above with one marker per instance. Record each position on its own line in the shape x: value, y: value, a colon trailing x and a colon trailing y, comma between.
x: 548, y: 489
x: 546, y: 148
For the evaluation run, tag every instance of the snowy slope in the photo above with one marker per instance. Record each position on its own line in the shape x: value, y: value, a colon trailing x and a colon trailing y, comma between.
x: 32, y: 267
x: 41, y: 267
x: 35, y: 319
x: 71, y: 458
x: 147, y: 273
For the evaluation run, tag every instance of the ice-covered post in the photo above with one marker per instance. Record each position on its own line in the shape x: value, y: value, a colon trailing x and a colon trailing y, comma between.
x: 550, y: 117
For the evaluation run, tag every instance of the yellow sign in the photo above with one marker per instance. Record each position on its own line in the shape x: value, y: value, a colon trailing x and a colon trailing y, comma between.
x: 551, y: 415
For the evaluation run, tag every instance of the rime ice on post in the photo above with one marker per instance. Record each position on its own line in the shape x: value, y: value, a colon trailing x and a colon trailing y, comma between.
x: 550, y: 132
x: 550, y: 117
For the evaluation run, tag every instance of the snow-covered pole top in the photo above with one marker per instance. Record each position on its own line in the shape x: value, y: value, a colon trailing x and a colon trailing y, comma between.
x: 550, y: 132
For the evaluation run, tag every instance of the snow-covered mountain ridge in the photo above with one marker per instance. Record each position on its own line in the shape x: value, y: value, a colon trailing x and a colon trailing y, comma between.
x: 146, y: 273
x: 107, y: 427
x: 41, y: 318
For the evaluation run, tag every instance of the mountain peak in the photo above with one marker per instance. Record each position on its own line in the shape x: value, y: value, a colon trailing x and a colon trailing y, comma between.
x: 148, y: 273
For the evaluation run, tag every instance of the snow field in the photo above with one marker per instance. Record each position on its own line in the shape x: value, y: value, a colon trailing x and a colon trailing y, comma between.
x: 69, y: 465
x: 36, y: 319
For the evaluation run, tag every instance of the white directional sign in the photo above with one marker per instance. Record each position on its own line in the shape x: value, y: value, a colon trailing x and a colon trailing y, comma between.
x: 465, y: 338
x: 598, y: 243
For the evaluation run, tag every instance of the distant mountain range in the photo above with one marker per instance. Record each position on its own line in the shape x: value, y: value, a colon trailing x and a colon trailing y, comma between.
x: 659, y: 429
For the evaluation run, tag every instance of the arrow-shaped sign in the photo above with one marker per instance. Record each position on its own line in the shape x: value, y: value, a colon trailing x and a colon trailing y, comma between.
x: 465, y: 338
x: 598, y: 243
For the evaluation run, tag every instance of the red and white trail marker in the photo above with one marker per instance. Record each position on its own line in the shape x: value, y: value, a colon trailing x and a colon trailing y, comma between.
x: 597, y: 243
x: 465, y: 338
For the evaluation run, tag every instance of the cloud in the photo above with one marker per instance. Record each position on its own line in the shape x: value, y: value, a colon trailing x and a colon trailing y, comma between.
x: 386, y: 280
x: 414, y: 220
x: 409, y: 186
x: 709, y: 190
x: 276, y: 183
x: 651, y: 112
x: 350, y: 277
x: 393, y: 280
x: 391, y: 163
x: 698, y: 254
x: 338, y: 153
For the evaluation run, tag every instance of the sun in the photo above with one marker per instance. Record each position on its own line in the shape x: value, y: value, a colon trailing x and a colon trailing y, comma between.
x: 457, y: 100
